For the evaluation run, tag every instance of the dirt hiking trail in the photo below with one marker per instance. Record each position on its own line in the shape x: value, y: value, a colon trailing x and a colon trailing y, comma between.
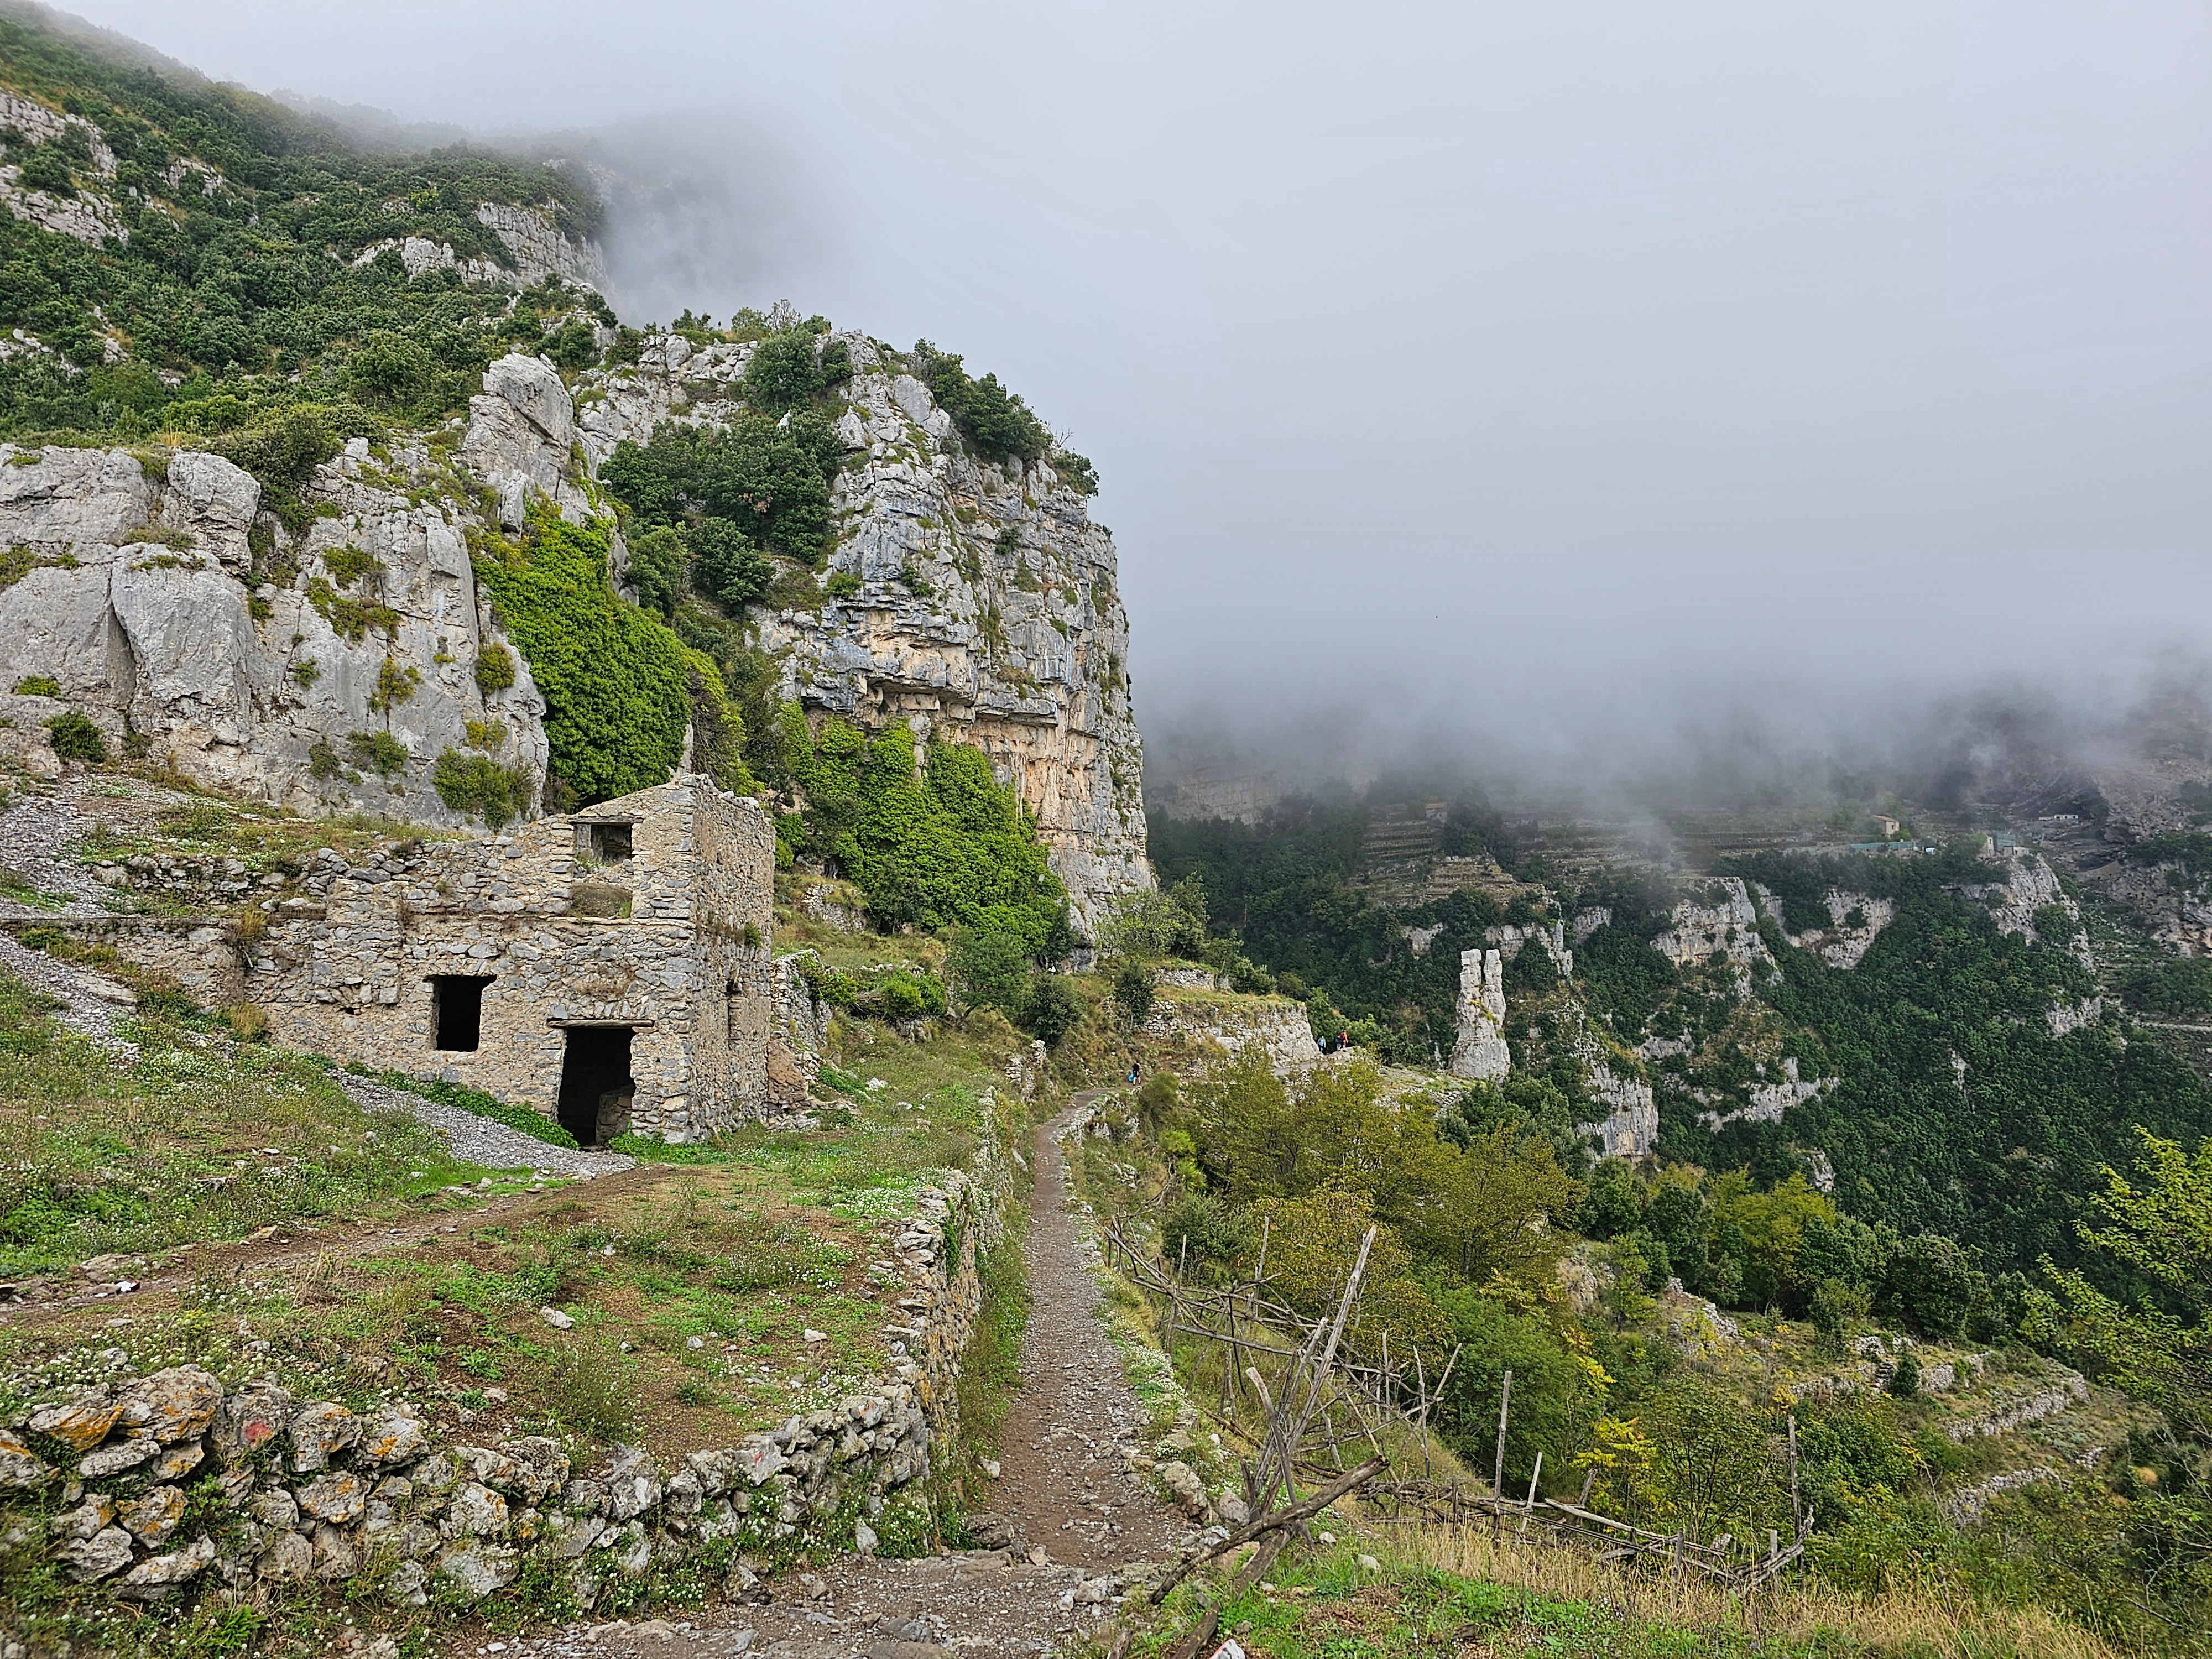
x: 1073, y: 1514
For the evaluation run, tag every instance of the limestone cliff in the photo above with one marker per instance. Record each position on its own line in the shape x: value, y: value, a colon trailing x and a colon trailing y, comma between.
x: 988, y: 609
x: 325, y: 673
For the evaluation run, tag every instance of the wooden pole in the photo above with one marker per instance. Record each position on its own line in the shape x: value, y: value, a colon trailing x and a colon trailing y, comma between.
x: 1796, y: 1508
x: 1498, y: 1468
x: 1529, y: 1508
x: 1421, y: 1378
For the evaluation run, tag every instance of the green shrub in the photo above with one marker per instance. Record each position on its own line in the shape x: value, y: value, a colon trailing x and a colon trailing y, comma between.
x: 1052, y: 1008
x: 573, y: 346
x: 478, y: 784
x: 996, y: 423
x: 323, y: 763
x: 1133, y: 992
x: 38, y: 685
x: 727, y: 564
x: 785, y: 370
x: 378, y: 751
x: 933, y: 846
x: 619, y: 688
x: 769, y: 478
x: 494, y: 669
x: 47, y: 168
x: 842, y: 585
x: 659, y: 567
x: 74, y: 737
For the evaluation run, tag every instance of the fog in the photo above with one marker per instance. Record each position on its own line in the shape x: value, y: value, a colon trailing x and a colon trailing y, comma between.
x: 1573, y: 386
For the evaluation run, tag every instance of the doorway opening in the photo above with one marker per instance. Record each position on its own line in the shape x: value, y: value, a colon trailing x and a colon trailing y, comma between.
x: 457, y: 1011
x: 596, y: 1086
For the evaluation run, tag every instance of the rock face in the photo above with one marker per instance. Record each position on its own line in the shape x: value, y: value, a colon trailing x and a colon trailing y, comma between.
x: 1479, y: 1051
x: 142, y: 598
x: 1855, y: 921
x: 532, y: 238
x: 1629, y: 1125
x: 988, y: 611
x: 1770, y: 1100
x: 1725, y: 922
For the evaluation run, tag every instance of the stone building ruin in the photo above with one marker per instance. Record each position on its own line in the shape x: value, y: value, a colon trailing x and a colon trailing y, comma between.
x: 609, y: 967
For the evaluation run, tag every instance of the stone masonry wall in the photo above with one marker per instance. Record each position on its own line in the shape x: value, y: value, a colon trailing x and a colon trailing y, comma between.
x: 687, y: 967
x: 183, y: 1484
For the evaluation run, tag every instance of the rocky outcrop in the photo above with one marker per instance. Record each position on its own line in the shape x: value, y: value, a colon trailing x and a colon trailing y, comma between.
x: 1479, y: 1048
x: 532, y: 238
x: 1629, y: 1126
x: 1855, y: 921
x: 2030, y: 890
x: 1721, y: 921
x: 138, y: 591
x: 89, y: 214
x: 1770, y: 1099
x: 988, y: 609
x: 1550, y: 938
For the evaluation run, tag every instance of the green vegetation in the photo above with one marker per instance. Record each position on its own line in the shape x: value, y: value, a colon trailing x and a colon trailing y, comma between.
x: 38, y: 685
x: 169, y: 1148
x: 235, y: 208
x: 619, y: 688
x: 478, y: 784
x: 937, y: 845
x: 997, y: 424
x: 74, y: 737
x: 761, y: 480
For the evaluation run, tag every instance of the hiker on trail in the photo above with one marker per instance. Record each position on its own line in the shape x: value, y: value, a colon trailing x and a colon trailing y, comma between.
x: 1132, y: 1073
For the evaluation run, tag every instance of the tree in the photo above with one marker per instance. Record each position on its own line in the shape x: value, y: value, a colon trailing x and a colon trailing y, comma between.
x: 989, y: 968
x: 2160, y: 1225
x: 1615, y: 1203
x: 1133, y: 992
x: 1053, y: 1008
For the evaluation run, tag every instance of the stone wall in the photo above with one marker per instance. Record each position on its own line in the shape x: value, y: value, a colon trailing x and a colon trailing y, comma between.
x: 1226, y: 1024
x: 677, y: 950
x: 307, y: 1490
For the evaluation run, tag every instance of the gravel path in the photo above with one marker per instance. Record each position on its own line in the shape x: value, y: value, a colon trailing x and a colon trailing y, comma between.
x: 1079, y: 1520
x: 38, y: 837
x: 90, y: 1004
x: 482, y: 1140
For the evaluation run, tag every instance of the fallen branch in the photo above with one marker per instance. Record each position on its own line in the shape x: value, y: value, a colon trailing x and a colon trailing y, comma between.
x: 1275, y: 1521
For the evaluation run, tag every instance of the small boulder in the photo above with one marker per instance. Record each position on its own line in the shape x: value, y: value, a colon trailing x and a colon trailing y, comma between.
x: 119, y: 1455
x: 155, y: 1580
x: 320, y: 1432
x: 476, y: 1568
x: 155, y: 1516
x: 337, y: 1498
x: 290, y: 1559
x: 178, y: 1404
x: 82, y: 1423
x: 21, y: 1468
x: 1185, y: 1488
x: 88, y: 1559
x: 476, y: 1511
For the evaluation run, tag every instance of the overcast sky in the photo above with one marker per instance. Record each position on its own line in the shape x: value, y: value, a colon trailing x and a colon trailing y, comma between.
x: 1555, y: 368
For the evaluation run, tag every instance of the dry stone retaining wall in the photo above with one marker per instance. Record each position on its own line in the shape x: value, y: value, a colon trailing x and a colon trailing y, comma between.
x: 179, y: 1485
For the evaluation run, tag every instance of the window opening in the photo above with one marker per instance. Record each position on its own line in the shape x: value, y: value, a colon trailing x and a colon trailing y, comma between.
x: 603, y: 844
x: 457, y: 1011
